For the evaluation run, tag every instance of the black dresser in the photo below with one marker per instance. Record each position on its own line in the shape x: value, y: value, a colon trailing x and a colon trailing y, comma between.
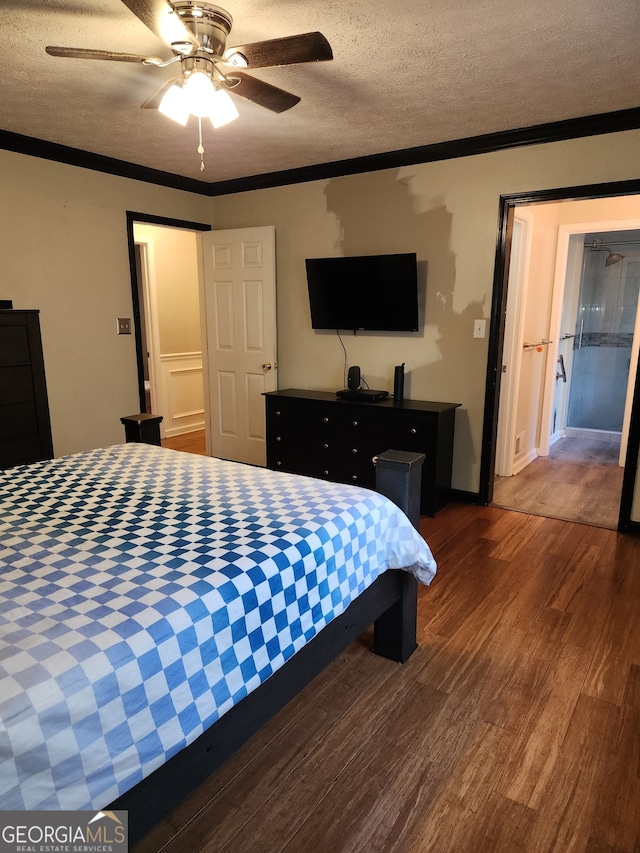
x: 25, y: 428
x: 315, y: 433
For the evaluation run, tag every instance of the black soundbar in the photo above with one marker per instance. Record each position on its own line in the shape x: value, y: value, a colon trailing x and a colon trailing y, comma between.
x: 362, y: 394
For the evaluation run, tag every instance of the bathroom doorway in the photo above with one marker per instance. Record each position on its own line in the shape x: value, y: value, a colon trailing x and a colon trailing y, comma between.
x: 565, y: 444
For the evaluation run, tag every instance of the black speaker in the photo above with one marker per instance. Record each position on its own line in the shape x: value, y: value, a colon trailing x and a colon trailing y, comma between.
x: 398, y: 382
x: 353, y: 382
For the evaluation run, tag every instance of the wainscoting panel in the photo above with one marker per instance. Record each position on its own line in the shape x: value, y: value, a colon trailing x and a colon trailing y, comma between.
x: 182, y: 386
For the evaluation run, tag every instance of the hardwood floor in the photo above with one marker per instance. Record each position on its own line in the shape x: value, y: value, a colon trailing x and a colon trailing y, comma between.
x: 189, y: 442
x: 515, y: 726
x: 579, y: 481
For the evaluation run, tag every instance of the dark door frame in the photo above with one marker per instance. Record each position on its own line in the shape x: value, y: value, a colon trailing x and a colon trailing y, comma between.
x: 508, y: 203
x: 148, y: 219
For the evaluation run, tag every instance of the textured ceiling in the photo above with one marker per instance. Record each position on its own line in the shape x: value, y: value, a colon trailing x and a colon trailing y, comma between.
x: 407, y: 74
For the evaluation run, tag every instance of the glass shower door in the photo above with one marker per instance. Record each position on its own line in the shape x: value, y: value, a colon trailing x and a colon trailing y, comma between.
x: 603, y: 340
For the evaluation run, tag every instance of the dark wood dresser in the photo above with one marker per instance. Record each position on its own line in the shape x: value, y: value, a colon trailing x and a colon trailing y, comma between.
x: 25, y: 428
x: 315, y: 433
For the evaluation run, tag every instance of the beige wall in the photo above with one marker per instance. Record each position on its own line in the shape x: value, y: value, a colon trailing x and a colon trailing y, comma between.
x: 448, y: 213
x: 63, y: 250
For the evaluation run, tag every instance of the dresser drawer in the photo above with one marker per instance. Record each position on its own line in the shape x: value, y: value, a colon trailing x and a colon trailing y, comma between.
x: 14, y: 344
x: 19, y: 451
x: 413, y: 433
x: 360, y: 472
x: 16, y: 383
x: 18, y: 420
x: 286, y: 456
x: 312, y: 421
x: 300, y: 439
x: 340, y: 469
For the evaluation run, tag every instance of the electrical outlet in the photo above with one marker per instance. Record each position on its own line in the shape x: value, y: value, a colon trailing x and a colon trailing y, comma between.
x: 479, y: 328
x: 124, y: 326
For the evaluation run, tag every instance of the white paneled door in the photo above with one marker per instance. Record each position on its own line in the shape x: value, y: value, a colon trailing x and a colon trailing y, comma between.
x: 240, y: 313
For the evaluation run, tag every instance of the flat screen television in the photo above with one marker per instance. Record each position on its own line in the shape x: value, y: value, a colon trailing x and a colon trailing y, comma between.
x: 369, y: 292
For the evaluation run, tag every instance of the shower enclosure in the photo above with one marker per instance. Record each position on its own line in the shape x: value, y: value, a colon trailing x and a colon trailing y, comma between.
x: 603, y: 335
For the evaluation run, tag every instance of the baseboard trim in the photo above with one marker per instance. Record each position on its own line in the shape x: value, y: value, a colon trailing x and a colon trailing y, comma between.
x: 521, y: 463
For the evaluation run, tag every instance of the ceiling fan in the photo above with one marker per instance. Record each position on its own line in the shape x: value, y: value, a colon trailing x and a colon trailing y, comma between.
x: 196, y: 31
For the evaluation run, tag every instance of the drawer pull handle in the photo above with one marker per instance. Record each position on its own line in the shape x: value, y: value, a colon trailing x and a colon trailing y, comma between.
x: 278, y: 438
x: 325, y: 472
x: 278, y: 463
x: 355, y: 423
x: 326, y: 420
x: 326, y: 446
x: 354, y: 450
x: 278, y: 414
x: 413, y: 430
x: 354, y: 477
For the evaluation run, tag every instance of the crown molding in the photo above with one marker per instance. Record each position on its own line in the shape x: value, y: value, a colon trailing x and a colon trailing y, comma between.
x: 572, y: 128
x: 97, y: 162
x: 558, y: 131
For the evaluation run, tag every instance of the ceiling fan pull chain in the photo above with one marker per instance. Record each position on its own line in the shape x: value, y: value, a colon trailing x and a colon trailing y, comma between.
x: 200, y: 145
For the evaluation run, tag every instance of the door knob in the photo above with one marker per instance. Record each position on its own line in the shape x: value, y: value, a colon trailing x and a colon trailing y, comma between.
x: 266, y: 365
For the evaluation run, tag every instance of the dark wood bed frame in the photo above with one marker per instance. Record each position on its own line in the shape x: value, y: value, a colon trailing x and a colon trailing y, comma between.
x: 390, y: 604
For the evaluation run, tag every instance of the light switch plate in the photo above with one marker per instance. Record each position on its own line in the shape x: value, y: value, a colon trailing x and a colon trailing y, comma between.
x: 479, y: 328
x: 124, y: 326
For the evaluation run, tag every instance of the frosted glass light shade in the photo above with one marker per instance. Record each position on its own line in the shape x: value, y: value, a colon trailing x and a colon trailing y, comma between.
x: 199, y: 94
x: 174, y: 105
x: 223, y: 109
x: 200, y: 97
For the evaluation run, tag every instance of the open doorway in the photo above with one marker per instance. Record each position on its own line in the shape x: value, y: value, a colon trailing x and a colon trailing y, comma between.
x: 576, y: 470
x: 563, y: 466
x: 165, y: 271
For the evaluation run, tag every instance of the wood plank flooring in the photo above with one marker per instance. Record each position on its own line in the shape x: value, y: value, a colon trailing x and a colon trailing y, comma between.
x: 515, y: 726
x: 188, y: 442
x: 579, y: 481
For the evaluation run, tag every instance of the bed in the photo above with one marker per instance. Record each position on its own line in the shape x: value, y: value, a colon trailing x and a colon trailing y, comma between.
x: 156, y: 607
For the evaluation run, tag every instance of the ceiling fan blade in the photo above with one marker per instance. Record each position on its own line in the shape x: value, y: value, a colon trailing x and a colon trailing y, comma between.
x: 308, y: 47
x: 110, y: 55
x: 264, y: 94
x: 153, y: 102
x: 160, y: 18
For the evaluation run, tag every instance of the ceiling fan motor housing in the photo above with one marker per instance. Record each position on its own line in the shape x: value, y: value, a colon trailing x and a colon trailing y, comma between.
x: 209, y: 24
x: 197, y: 62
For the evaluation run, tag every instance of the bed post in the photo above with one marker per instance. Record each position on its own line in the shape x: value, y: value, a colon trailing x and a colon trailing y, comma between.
x: 142, y: 428
x: 398, y: 477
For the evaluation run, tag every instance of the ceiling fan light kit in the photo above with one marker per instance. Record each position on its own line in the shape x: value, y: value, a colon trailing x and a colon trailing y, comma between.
x: 196, y: 32
x: 200, y: 98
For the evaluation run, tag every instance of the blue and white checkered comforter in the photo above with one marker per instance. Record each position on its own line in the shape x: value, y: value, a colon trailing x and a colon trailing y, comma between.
x: 143, y: 592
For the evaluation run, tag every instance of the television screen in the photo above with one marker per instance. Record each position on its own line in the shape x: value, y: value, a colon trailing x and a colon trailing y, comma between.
x: 370, y: 292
